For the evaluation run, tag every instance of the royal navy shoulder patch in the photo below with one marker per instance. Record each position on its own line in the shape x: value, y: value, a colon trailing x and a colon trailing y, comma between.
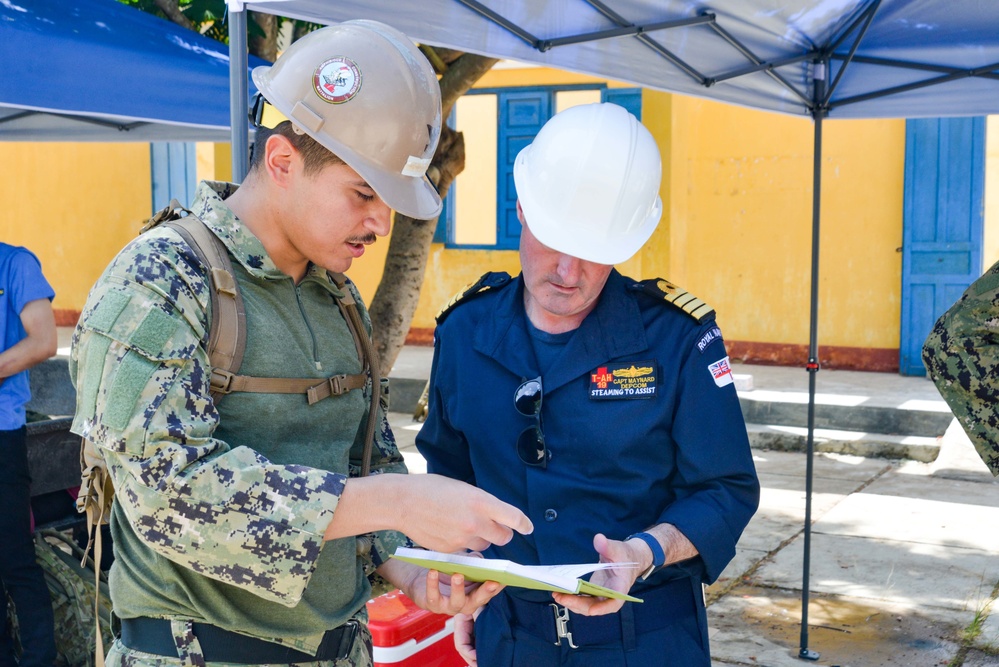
x: 659, y: 288
x: 489, y: 281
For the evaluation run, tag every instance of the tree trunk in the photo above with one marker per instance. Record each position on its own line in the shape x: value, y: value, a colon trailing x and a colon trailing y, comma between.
x: 264, y: 46
x: 398, y: 293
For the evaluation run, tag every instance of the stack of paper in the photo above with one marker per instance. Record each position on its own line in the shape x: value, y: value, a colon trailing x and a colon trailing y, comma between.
x: 560, y: 578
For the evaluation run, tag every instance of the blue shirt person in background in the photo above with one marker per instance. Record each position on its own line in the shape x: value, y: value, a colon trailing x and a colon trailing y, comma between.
x: 29, y: 337
x: 601, y: 406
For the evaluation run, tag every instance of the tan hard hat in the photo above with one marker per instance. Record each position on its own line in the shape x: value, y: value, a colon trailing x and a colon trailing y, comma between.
x: 364, y: 91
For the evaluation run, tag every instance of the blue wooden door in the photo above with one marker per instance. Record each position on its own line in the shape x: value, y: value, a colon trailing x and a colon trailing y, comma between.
x: 942, y: 224
x: 173, y: 166
x: 521, y: 115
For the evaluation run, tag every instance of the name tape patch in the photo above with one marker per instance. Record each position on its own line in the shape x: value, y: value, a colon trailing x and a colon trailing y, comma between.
x: 633, y: 379
x: 709, y: 337
x: 721, y: 371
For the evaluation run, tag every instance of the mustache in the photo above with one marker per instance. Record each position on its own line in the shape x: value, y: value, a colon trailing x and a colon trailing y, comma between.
x: 367, y: 239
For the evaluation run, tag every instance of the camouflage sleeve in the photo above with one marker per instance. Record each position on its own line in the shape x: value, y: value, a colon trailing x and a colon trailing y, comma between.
x: 962, y: 356
x: 385, y: 458
x: 139, y: 366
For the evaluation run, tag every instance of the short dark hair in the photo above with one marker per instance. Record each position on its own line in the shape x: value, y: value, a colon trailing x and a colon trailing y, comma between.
x: 315, y: 156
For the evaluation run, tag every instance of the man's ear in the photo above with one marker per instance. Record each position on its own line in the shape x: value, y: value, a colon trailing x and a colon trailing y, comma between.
x: 280, y: 158
x: 520, y: 212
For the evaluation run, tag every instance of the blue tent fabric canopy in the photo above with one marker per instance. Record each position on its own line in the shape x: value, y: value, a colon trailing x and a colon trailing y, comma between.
x: 97, y: 70
x: 936, y: 58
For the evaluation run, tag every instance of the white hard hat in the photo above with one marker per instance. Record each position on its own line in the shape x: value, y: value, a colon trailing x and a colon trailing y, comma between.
x: 364, y: 91
x: 589, y: 183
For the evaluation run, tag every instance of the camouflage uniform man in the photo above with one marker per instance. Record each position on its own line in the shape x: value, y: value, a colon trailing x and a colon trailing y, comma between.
x: 234, y: 522
x: 962, y: 356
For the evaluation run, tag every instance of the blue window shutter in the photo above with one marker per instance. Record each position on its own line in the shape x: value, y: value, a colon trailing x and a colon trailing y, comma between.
x: 629, y: 98
x: 521, y: 116
x: 173, y: 172
x: 443, y: 233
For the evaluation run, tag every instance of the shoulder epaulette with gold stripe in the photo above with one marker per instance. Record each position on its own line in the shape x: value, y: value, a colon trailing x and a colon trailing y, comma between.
x: 677, y: 296
x: 487, y: 282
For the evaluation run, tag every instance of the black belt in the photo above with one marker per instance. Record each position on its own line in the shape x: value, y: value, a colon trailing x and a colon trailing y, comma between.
x: 154, y: 635
x: 663, y: 605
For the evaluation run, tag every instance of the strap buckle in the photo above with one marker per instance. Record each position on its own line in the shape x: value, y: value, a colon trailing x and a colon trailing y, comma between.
x: 220, y: 381
x: 338, y: 386
x: 562, y: 625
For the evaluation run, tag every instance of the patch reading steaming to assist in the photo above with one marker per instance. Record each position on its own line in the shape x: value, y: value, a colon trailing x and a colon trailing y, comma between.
x: 337, y: 80
x: 633, y: 379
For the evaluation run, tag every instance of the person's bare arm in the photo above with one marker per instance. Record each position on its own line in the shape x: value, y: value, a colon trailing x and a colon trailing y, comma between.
x: 39, y: 342
x: 436, y: 512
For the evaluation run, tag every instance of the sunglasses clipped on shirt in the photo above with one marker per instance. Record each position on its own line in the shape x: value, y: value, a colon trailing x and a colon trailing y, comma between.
x: 531, y: 443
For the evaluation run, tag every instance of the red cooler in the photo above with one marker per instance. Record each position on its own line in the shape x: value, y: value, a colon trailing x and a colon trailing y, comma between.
x: 406, y: 636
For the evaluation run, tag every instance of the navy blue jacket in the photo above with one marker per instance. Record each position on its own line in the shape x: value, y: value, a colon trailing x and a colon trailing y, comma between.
x: 619, y: 464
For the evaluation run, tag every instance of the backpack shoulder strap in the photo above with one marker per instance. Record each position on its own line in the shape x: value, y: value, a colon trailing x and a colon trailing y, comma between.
x: 227, y: 336
x: 369, y: 360
x: 227, y: 332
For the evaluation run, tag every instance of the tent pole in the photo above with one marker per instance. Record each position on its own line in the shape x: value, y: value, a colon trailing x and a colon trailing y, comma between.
x: 238, y: 94
x: 813, y: 350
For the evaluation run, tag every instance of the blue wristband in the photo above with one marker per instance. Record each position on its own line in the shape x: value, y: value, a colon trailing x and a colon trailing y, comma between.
x: 658, y: 555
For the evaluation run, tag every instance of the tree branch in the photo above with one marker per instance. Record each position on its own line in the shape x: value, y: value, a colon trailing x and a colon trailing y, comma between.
x: 172, y: 10
x: 461, y: 75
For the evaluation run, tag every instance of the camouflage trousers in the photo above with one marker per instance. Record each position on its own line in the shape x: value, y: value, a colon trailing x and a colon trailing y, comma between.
x: 190, y: 655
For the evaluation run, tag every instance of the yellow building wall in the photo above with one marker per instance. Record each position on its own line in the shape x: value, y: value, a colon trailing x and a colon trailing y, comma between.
x: 74, y: 205
x: 736, y: 231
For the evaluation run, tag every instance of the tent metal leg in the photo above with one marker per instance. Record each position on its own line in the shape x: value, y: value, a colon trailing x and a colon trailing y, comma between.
x: 813, y: 354
x: 238, y: 94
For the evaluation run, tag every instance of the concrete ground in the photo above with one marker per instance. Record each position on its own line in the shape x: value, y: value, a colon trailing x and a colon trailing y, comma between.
x: 904, y: 568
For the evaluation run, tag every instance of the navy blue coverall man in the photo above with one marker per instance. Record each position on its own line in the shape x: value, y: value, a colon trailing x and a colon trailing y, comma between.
x: 602, y: 406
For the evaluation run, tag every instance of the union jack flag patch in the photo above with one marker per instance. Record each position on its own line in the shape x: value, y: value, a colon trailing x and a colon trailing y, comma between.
x: 721, y: 371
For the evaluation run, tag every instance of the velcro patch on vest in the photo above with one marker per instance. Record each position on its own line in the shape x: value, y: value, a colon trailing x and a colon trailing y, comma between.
x: 634, y: 379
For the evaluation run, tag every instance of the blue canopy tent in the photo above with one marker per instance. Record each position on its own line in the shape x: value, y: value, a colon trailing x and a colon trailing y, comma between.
x: 820, y: 58
x: 97, y: 70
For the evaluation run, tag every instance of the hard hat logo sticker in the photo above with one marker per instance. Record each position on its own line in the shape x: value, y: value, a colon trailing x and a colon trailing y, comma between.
x: 337, y: 80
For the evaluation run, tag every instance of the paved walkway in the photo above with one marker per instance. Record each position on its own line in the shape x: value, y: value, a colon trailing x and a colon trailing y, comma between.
x: 904, y: 555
